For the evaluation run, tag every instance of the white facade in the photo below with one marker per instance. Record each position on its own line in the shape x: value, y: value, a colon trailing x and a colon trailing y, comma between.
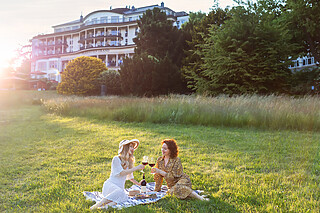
x: 105, y: 34
x: 303, y: 63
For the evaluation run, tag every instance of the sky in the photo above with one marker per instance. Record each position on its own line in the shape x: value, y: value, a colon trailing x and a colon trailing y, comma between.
x: 20, y: 20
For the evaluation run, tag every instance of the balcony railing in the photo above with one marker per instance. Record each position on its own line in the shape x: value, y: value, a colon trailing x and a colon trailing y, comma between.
x: 91, y: 37
x: 89, y: 46
x: 58, y: 43
x: 110, y: 21
x: 303, y: 62
x: 110, y: 44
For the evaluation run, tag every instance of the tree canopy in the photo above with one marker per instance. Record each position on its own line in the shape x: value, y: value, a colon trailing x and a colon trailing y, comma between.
x: 197, y: 30
x: 303, y: 21
x: 241, y: 51
x: 81, y: 76
x: 154, y: 68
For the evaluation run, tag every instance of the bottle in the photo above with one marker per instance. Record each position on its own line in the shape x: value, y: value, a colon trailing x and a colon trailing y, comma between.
x: 143, y: 185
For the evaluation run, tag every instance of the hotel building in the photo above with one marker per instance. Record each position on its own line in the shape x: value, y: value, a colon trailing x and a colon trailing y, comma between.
x: 305, y: 62
x: 105, y: 34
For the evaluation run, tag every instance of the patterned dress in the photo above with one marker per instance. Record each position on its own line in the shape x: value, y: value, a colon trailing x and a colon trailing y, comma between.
x: 178, y: 182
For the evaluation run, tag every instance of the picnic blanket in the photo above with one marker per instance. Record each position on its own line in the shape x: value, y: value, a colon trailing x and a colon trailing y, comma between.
x: 132, y: 201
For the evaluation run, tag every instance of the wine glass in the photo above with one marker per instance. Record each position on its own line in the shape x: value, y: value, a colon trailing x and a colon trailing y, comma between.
x: 152, y: 163
x: 145, y: 160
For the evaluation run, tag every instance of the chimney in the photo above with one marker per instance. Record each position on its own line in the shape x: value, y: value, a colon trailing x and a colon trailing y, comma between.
x: 81, y: 18
x: 162, y: 4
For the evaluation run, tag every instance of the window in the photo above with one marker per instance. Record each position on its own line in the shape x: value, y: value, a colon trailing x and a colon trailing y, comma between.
x: 53, y: 64
x: 52, y: 76
x: 104, y: 19
x: 42, y: 66
x: 114, y: 32
x: 114, y: 19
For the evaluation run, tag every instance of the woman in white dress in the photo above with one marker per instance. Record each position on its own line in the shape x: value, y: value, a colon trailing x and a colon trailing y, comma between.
x: 121, y: 170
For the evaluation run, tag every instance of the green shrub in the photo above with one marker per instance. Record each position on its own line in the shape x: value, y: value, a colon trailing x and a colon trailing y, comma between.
x: 111, y: 79
x: 81, y: 76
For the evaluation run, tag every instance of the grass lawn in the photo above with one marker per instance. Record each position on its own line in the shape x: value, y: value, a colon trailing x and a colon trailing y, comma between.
x: 47, y: 161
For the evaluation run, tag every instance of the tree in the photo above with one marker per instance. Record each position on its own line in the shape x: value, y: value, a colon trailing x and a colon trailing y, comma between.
x: 247, y: 54
x: 157, y: 57
x: 81, y: 76
x: 303, y: 19
x: 111, y: 79
x: 197, y: 30
x: 303, y: 80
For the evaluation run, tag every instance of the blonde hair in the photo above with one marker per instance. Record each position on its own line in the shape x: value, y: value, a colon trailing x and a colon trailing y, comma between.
x: 127, y: 160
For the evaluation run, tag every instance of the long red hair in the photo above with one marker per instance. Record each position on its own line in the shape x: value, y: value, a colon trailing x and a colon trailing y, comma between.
x: 172, y: 146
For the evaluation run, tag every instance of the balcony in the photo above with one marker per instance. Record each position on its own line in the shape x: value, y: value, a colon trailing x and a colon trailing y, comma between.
x: 100, y: 36
x: 110, y: 21
x: 59, y: 43
x: 110, y: 44
x: 51, y: 44
x: 111, y: 64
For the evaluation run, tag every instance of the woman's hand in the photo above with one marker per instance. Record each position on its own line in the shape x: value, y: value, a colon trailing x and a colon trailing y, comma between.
x: 158, y: 171
x: 140, y: 167
x: 155, y: 170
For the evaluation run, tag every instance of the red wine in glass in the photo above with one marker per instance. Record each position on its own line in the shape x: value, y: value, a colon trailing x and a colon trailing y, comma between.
x: 145, y: 160
x: 151, y: 163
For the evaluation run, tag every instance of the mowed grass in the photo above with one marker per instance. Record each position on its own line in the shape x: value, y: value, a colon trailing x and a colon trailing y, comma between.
x: 47, y: 161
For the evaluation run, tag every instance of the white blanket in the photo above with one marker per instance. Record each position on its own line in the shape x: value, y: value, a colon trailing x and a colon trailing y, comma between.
x: 97, y: 196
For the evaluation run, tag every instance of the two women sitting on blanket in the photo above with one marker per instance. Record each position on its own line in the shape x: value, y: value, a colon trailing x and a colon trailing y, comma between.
x: 168, y: 166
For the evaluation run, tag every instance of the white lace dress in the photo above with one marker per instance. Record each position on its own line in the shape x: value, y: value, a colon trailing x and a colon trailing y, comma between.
x: 113, y: 188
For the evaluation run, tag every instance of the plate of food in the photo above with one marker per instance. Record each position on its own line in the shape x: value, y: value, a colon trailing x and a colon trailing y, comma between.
x: 146, y: 195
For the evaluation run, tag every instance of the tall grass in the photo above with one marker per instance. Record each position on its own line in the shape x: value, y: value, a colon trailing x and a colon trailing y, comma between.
x: 17, y: 98
x: 266, y: 112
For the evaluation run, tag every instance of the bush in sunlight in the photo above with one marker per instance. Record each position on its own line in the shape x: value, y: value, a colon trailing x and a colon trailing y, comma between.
x: 81, y: 76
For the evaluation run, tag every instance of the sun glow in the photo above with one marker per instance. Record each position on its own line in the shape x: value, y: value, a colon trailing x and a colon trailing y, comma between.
x: 7, y: 53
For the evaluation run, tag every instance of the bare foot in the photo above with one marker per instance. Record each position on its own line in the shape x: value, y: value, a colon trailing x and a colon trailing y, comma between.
x: 100, y: 204
x: 95, y: 206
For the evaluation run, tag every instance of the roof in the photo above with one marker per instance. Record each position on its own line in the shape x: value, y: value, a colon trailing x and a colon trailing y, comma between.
x: 141, y: 9
x: 68, y: 23
x: 124, y: 11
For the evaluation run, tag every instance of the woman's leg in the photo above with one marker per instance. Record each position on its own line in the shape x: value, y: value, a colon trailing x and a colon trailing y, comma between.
x: 101, y: 203
x: 197, y: 196
x: 112, y: 204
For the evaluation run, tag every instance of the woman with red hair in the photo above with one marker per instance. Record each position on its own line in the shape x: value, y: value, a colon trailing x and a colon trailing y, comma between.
x: 170, y: 168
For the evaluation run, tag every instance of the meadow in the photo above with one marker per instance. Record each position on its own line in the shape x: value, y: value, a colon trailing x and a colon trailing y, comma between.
x: 52, y: 148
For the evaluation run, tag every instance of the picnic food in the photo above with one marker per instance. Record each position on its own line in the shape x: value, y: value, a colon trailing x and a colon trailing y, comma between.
x: 133, y: 192
x: 146, y: 195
